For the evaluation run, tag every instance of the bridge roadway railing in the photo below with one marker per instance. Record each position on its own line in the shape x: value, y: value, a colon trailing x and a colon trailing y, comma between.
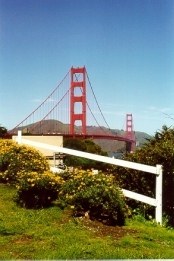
x: 156, y: 170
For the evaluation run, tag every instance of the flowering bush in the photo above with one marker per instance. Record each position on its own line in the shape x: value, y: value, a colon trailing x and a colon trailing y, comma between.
x: 96, y: 195
x: 37, y: 187
x: 36, y: 190
x: 15, y: 158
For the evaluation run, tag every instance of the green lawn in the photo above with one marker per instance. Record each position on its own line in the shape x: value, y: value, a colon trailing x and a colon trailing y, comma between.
x: 52, y: 234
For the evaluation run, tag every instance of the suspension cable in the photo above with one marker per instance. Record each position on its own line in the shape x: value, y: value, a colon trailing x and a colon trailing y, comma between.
x: 51, y: 110
x: 42, y: 102
x: 87, y: 102
x: 97, y: 102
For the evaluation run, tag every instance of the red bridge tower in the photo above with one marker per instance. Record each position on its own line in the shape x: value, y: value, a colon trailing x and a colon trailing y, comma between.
x: 130, y: 133
x: 78, y: 98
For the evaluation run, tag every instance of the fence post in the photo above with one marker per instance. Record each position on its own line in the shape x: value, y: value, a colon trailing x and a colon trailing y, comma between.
x: 158, y: 210
x: 19, y: 139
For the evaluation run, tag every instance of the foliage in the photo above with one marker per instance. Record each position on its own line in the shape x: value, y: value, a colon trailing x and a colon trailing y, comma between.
x: 158, y: 150
x: 3, y: 131
x: 37, y: 190
x: 95, y: 195
x: 76, y: 144
x: 37, y: 187
x: 15, y: 158
x: 86, y: 146
x: 92, y: 147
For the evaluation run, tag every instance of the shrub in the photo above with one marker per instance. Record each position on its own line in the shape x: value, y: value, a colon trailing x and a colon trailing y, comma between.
x: 15, y: 158
x: 96, y: 195
x: 158, y: 150
x: 36, y: 190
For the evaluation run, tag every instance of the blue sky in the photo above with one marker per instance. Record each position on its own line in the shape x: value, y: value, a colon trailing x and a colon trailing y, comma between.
x: 127, y: 47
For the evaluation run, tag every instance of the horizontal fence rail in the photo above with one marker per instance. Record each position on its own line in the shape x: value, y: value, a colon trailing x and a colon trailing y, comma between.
x: 157, y: 170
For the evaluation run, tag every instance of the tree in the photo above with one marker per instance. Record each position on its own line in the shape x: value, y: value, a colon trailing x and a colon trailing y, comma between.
x: 3, y: 131
x: 158, y: 150
x: 86, y: 146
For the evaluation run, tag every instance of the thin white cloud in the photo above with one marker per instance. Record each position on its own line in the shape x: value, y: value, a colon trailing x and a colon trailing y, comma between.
x: 165, y: 109
x: 36, y: 100
x: 39, y: 100
x: 51, y: 100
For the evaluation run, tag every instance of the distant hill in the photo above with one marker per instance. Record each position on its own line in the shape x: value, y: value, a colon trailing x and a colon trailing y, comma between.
x: 57, y: 127
x: 112, y: 146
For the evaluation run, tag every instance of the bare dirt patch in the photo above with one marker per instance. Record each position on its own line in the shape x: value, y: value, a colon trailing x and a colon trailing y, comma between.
x: 24, y: 239
x: 102, y: 230
x: 98, y: 228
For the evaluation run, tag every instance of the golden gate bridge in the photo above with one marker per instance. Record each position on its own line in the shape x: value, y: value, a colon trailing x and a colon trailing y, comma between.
x: 69, y: 111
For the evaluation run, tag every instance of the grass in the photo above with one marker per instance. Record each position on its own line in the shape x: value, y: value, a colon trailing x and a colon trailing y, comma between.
x: 53, y: 234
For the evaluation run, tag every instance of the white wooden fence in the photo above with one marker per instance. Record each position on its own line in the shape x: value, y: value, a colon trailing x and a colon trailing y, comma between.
x: 157, y: 170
